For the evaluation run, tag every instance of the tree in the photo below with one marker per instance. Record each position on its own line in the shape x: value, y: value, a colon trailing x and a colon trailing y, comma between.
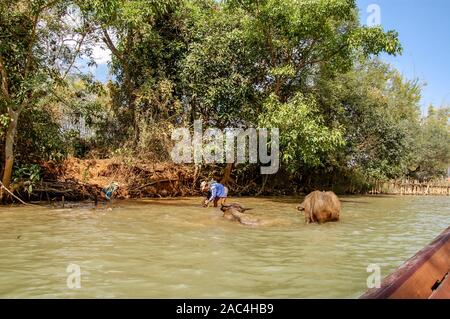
x: 219, y: 70
x: 305, y: 137
x: 125, y: 27
x: 297, y: 40
x: 256, y: 63
x: 379, y: 111
x: 431, y: 146
x: 39, y: 46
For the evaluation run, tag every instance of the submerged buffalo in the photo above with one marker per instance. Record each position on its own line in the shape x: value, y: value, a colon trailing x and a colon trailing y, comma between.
x: 235, y: 206
x: 235, y: 212
x: 321, y: 207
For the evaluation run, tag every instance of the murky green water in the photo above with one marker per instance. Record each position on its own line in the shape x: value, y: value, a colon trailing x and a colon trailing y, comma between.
x: 174, y: 248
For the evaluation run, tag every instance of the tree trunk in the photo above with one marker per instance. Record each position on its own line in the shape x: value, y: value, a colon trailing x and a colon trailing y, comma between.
x: 227, y: 174
x: 137, y: 132
x: 9, y: 148
x: 266, y: 177
x: 129, y: 88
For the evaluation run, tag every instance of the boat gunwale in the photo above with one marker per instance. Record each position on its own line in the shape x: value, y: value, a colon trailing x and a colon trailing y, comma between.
x: 395, y: 280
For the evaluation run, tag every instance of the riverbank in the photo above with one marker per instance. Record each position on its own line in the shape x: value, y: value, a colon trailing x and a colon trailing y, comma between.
x: 77, y: 179
x: 83, y: 179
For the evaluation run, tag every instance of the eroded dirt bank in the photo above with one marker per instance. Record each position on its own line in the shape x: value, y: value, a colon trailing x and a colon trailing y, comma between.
x: 77, y: 179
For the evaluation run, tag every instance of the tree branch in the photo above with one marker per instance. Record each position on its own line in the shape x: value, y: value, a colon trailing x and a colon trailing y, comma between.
x: 28, y: 61
x: 4, y: 74
x: 77, y: 51
x: 106, y: 38
x: 325, y: 58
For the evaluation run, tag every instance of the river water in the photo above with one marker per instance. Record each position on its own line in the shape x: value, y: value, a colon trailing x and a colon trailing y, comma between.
x: 176, y: 249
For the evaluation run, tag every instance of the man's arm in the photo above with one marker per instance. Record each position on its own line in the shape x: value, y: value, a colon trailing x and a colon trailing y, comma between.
x: 213, y: 193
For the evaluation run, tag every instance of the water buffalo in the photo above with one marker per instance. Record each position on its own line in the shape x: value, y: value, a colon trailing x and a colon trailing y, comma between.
x: 321, y: 207
x: 235, y: 206
x: 235, y: 212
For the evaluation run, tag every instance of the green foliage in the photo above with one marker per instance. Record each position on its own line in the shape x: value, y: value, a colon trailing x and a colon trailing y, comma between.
x: 32, y: 48
x: 28, y: 175
x: 293, y: 39
x: 150, y: 40
x: 431, y: 146
x: 58, y: 125
x: 379, y: 111
x: 219, y: 69
x: 39, y: 137
x: 304, y: 137
x: 4, y: 121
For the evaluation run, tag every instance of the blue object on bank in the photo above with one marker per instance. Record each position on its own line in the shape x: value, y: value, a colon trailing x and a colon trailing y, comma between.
x: 110, y: 190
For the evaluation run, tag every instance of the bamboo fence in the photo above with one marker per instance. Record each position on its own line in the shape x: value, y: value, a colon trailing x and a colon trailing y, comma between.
x: 412, y: 187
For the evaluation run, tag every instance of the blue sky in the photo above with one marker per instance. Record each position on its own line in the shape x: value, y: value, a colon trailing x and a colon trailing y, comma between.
x: 424, y: 31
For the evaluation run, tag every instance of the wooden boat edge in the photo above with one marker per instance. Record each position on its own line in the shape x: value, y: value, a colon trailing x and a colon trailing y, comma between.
x: 393, y: 285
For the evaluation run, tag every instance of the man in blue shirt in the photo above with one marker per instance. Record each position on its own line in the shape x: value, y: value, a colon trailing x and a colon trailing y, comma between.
x: 217, y: 193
